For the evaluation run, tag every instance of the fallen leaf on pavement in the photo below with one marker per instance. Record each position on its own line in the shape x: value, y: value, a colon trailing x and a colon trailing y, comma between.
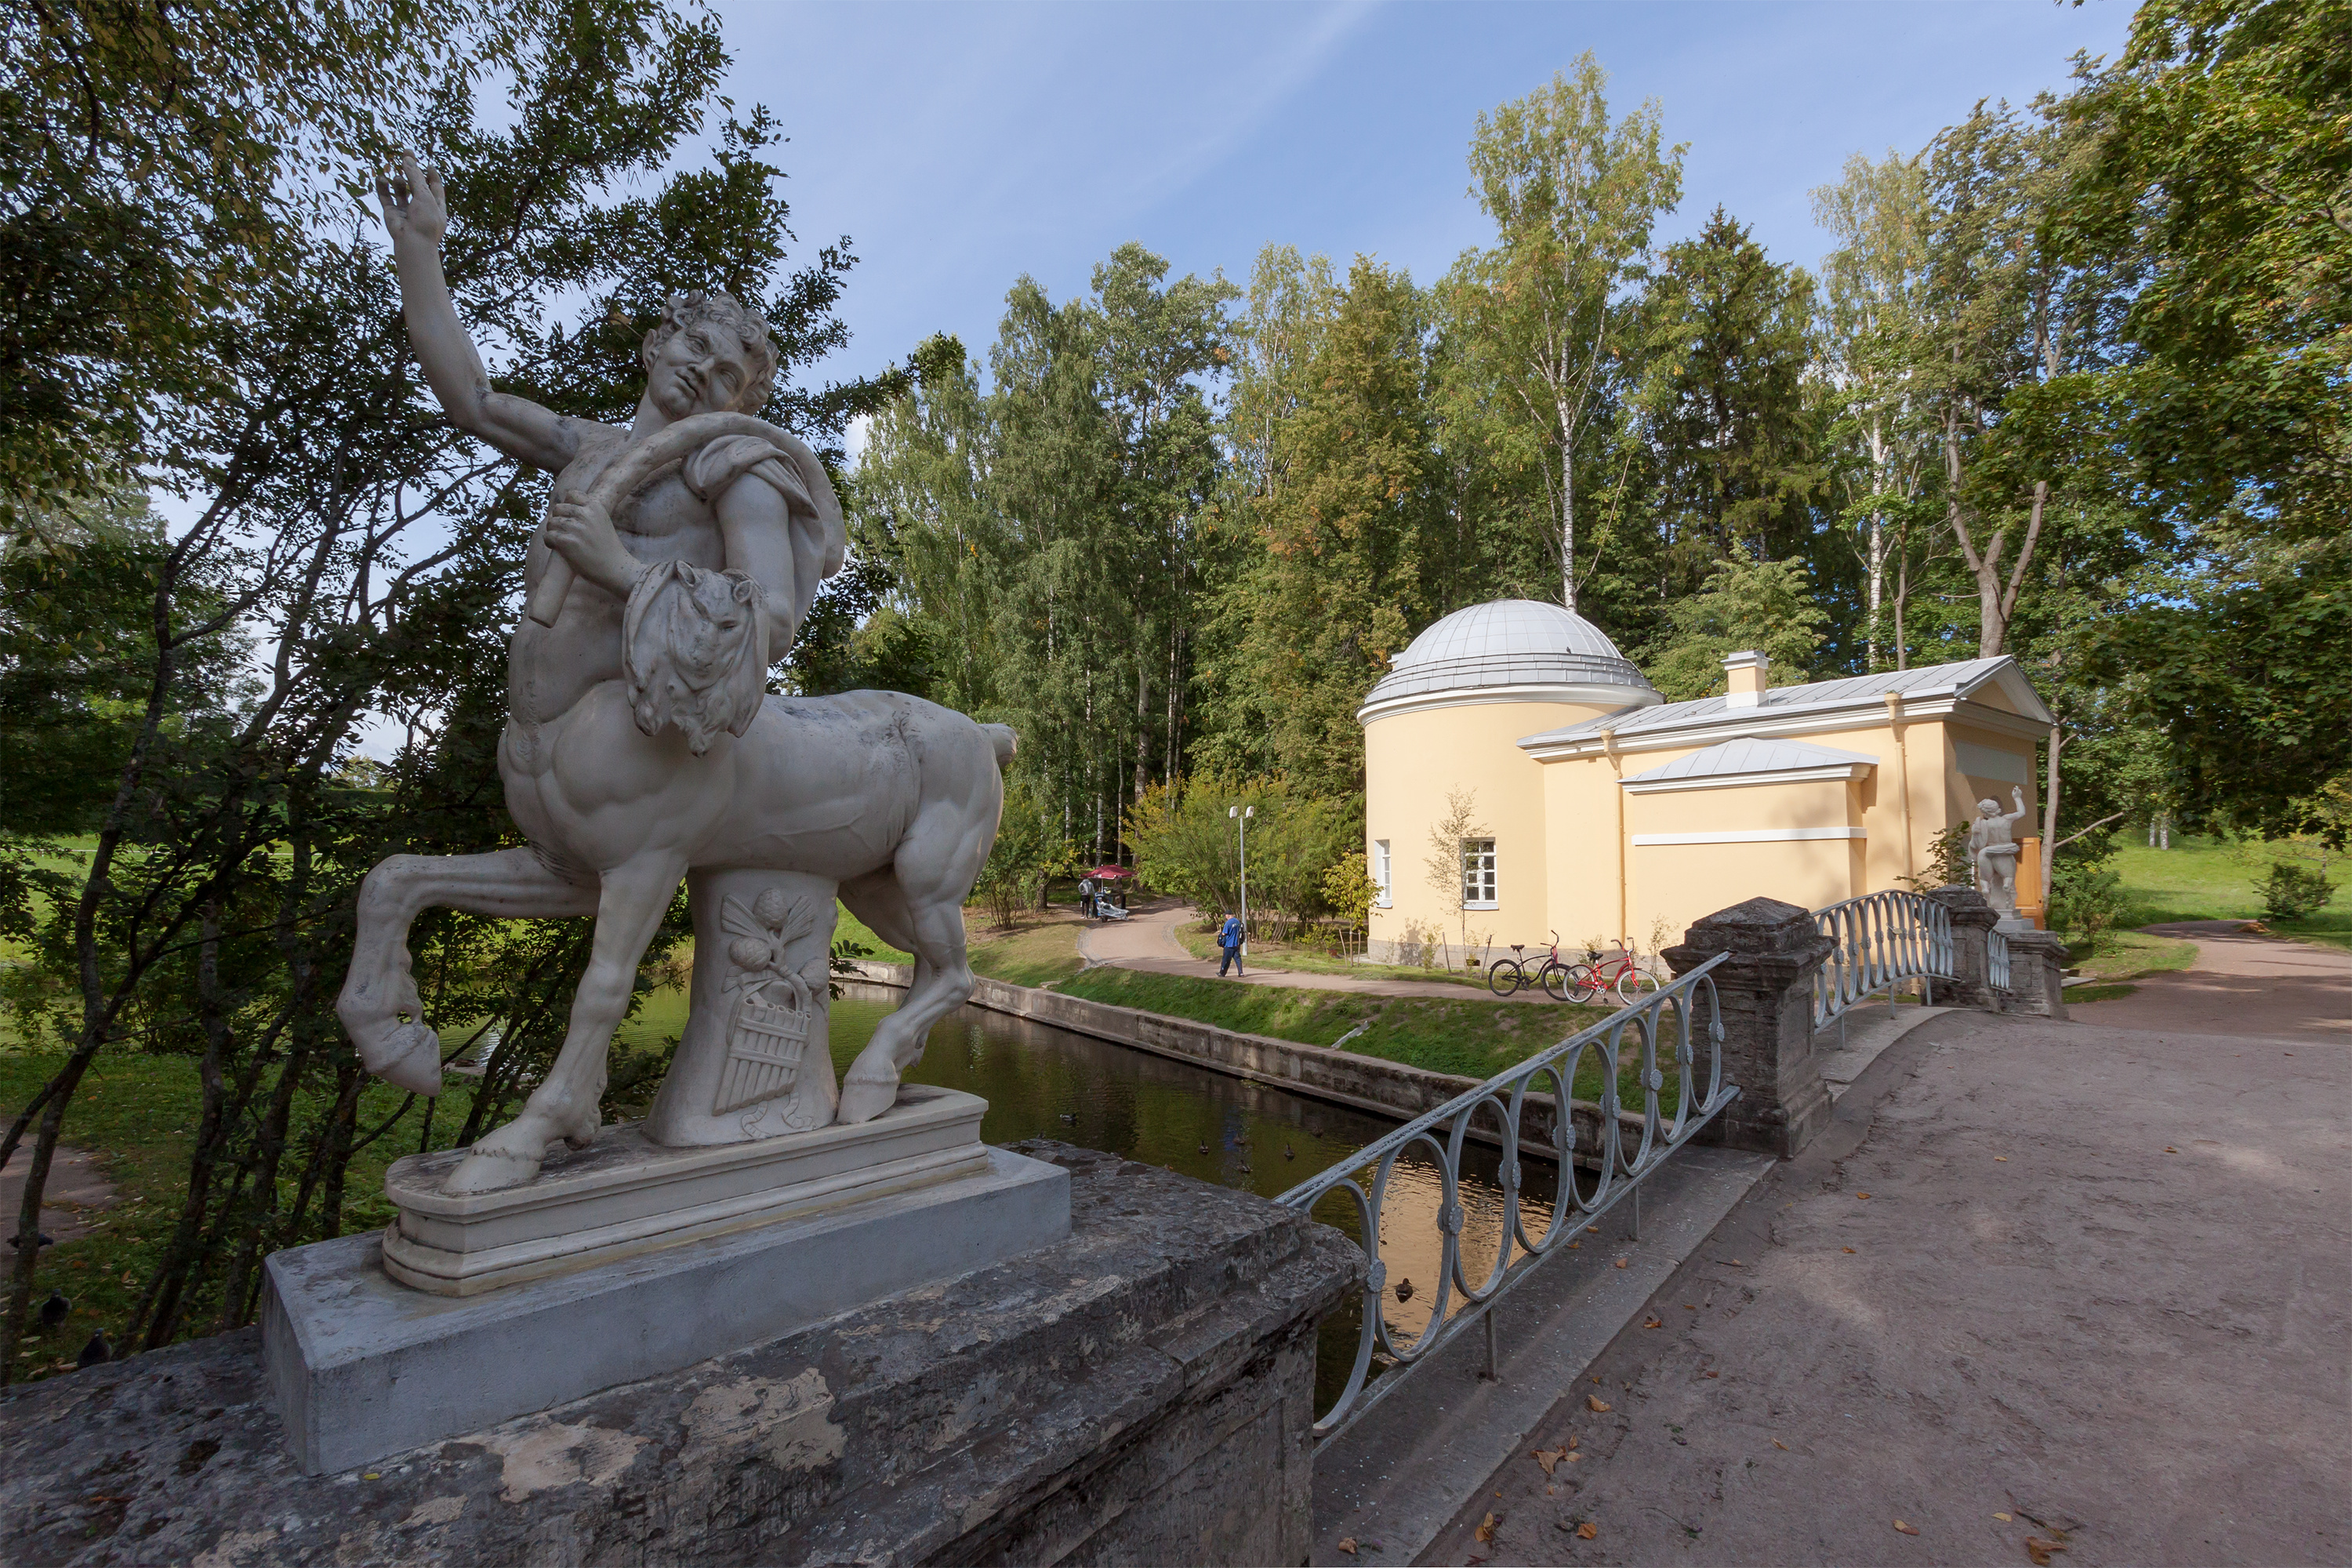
x: 1347, y: 1544
x: 1653, y: 1322
x: 1586, y: 1531
x: 1486, y: 1531
x: 1906, y: 1528
x: 1620, y: 1263
x: 1848, y: 1249
x: 2170, y: 1149
x: 1598, y: 1405
x: 2000, y: 1159
x: 1573, y: 1443
x: 1779, y: 1445
x: 2003, y: 1517
x: 1576, y: 1458
x: 1549, y: 1458
x: 1711, y: 1372
x: 1862, y: 1195
x: 2039, y: 1550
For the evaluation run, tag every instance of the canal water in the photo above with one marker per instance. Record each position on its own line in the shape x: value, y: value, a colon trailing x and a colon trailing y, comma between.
x: 1045, y: 1082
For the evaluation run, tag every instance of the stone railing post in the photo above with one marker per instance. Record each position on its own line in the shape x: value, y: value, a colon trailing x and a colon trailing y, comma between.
x: 2037, y: 974
x: 1972, y: 917
x: 1766, y: 991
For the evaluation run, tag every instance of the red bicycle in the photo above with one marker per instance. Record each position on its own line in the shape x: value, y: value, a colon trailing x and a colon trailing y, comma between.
x: 1619, y: 972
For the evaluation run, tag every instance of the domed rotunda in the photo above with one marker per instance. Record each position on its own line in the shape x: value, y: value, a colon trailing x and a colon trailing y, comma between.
x: 1512, y: 650
x: 1444, y: 725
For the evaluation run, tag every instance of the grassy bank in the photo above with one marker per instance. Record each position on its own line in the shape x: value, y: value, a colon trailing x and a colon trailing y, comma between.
x: 1469, y: 1037
x: 2213, y: 879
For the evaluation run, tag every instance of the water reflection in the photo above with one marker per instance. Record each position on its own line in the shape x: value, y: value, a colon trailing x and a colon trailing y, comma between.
x: 1045, y: 1082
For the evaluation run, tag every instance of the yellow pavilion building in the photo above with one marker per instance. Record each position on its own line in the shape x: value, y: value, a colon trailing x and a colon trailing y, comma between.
x: 1514, y: 741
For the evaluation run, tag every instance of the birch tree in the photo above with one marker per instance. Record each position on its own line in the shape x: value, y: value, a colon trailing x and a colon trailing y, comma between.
x: 1574, y: 199
x: 1866, y: 329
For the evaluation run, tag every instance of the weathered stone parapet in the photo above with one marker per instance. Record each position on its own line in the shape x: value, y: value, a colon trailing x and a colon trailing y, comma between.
x: 1766, y: 991
x: 1972, y: 917
x: 2037, y: 974
x: 1142, y: 1391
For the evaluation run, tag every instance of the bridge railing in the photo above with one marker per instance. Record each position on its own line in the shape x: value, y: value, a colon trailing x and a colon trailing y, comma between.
x: 1883, y: 940
x: 1529, y: 1105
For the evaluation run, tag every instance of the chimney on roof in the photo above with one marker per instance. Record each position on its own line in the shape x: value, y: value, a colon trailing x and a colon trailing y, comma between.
x: 1749, y: 673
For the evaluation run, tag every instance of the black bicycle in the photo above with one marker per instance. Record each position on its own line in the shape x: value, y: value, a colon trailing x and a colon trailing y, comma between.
x: 1555, y: 979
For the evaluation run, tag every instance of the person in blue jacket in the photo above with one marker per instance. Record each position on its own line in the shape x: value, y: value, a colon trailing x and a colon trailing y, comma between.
x: 1230, y: 939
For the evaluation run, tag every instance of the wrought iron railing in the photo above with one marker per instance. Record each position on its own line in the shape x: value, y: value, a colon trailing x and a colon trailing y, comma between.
x: 1883, y: 940
x: 1996, y: 959
x: 1685, y: 1016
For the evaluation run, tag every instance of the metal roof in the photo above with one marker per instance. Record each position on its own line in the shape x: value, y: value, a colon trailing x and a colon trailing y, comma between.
x: 1753, y: 756
x: 1950, y: 681
x: 1510, y: 642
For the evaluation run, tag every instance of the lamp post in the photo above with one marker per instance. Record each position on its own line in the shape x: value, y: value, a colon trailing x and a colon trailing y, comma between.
x: 1241, y: 815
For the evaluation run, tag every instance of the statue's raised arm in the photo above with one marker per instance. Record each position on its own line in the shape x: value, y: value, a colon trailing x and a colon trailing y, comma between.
x: 416, y: 215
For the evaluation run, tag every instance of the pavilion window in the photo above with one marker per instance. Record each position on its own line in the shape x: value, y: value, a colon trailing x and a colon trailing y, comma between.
x: 1382, y: 870
x: 1478, y: 874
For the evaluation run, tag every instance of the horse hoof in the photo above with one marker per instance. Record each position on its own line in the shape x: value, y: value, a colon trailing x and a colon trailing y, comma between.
x: 863, y: 1102
x: 411, y: 1054
x: 489, y: 1171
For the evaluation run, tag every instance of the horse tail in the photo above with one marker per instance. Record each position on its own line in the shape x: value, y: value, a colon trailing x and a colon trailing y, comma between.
x: 1002, y: 737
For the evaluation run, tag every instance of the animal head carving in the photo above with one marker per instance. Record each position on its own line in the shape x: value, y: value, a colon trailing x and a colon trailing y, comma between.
x: 694, y: 648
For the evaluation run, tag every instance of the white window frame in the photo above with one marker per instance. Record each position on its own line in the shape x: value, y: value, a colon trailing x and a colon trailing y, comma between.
x: 1383, y: 874
x: 1474, y: 851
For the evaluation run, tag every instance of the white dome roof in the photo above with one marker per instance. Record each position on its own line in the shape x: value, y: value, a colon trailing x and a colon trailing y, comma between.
x: 1539, y: 652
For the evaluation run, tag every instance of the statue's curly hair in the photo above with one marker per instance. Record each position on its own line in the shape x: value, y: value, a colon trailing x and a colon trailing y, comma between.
x: 681, y: 310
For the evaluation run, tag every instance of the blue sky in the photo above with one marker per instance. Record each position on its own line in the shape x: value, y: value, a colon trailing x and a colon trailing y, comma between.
x: 963, y: 145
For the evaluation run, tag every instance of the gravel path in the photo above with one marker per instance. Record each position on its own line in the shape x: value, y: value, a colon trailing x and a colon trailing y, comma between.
x: 2093, y: 1279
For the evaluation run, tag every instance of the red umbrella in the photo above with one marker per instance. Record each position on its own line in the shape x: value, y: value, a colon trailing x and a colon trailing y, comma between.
x: 1109, y: 871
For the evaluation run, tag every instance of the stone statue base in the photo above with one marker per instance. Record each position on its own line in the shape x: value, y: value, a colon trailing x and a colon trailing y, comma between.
x: 362, y: 1366
x: 625, y: 1196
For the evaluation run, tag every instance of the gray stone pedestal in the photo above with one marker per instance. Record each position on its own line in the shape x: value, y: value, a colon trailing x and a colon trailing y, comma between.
x: 2037, y: 974
x: 1140, y: 1392
x: 1971, y: 985
x: 1766, y: 990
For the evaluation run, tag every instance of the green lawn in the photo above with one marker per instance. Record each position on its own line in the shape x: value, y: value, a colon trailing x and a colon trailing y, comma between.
x: 1471, y: 1038
x: 2213, y: 879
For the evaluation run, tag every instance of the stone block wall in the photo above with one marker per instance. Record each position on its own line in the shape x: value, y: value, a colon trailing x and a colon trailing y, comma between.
x: 1140, y: 1392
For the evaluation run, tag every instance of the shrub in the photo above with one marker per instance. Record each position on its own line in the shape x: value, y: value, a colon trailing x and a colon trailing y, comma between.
x: 1948, y: 865
x: 2292, y: 892
x: 2085, y: 898
x: 1029, y: 849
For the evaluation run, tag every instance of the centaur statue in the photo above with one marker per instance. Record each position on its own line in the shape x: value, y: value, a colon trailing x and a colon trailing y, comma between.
x: 676, y: 561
